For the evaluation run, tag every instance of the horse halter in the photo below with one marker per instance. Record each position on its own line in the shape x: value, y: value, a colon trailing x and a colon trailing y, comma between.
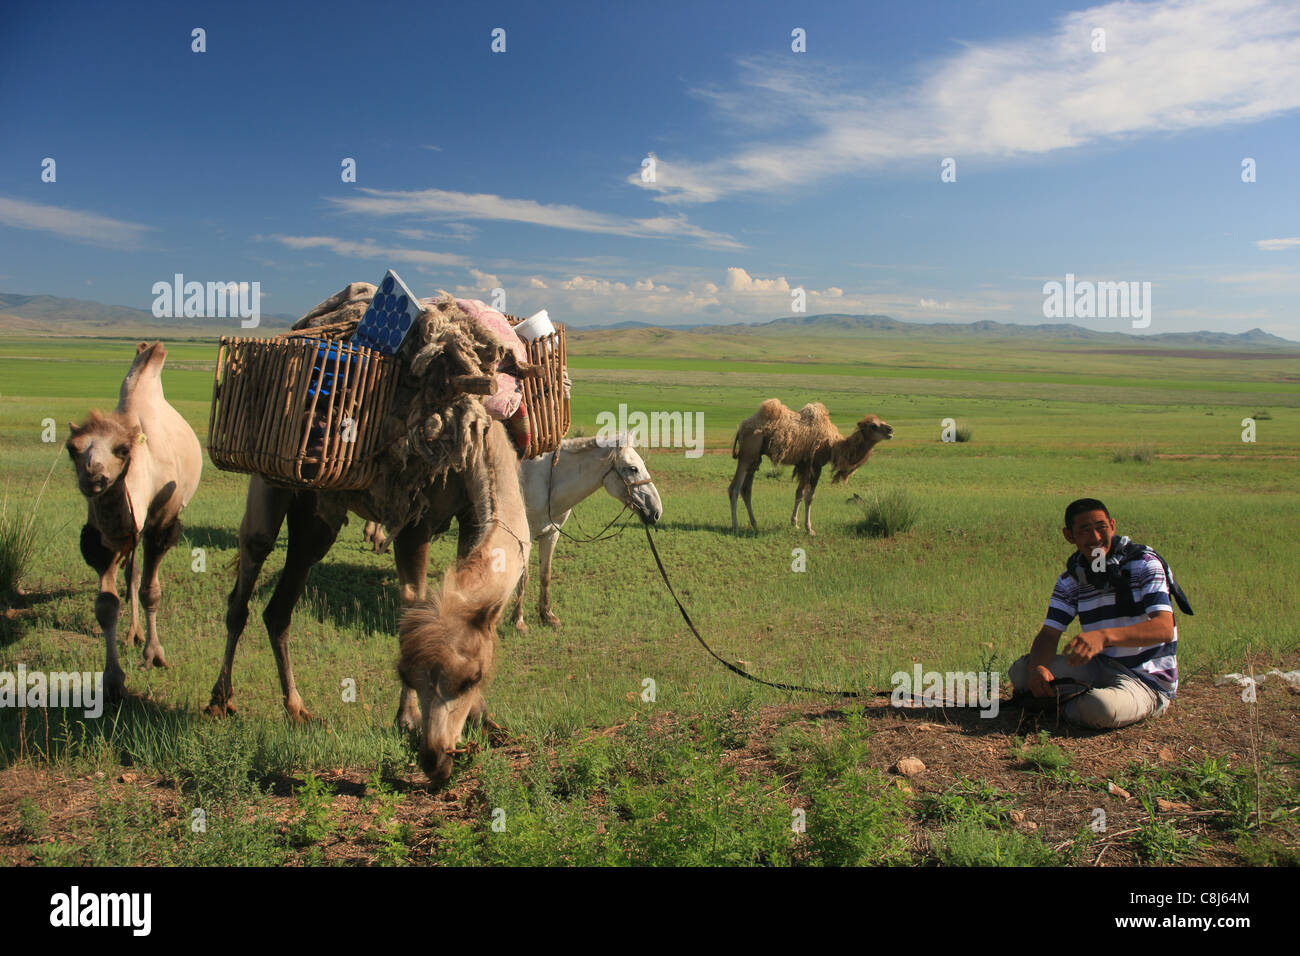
x: 599, y: 535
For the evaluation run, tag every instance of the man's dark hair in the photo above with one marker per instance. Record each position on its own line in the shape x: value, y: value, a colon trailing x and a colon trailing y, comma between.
x: 1082, y: 506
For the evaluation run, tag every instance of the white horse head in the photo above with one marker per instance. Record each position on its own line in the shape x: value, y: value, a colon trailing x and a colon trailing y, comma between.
x: 628, y: 481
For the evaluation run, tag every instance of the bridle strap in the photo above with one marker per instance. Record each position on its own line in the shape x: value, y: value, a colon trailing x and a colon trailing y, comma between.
x: 600, y: 535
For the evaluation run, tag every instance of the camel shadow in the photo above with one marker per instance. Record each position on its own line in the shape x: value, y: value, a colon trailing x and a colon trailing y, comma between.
x: 347, y: 595
x: 54, y: 734
x: 15, y: 620
x: 206, y: 536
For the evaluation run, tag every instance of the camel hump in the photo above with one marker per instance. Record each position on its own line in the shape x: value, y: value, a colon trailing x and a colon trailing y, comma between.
x: 357, y: 294
x: 771, y: 410
x: 145, y: 372
x: 814, y: 413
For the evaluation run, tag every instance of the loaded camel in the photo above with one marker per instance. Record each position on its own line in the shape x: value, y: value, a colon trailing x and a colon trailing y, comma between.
x: 447, y: 641
x: 805, y: 439
x: 138, y: 468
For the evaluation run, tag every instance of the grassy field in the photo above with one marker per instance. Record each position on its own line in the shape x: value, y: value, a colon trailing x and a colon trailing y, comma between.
x: 713, y: 769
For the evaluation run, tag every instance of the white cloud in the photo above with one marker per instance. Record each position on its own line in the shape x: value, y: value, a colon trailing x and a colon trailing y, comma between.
x: 442, y: 204
x: 1276, y: 245
x: 738, y: 280
x: 369, y: 249
x: 601, y: 286
x: 71, y: 223
x: 1170, y: 66
x: 485, y: 280
x: 537, y: 282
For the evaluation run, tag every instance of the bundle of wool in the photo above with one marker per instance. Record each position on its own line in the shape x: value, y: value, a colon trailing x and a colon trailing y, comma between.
x: 436, y: 423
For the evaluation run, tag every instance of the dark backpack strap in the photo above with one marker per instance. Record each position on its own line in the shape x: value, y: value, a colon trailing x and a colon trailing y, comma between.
x: 1135, y: 550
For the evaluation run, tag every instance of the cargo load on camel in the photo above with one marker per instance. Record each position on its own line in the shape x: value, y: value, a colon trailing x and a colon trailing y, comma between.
x: 375, y: 391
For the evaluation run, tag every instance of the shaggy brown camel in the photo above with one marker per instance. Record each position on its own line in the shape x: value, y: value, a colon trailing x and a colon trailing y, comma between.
x: 138, y: 467
x: 805, y: 439
x: 448, y: 643
x: 484, y: 499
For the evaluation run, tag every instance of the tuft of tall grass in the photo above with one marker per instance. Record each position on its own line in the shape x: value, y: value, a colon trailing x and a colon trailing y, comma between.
x: 1143, y: 454
x: 18, y: 539
x: 886, y: 514
x: 964, y: 433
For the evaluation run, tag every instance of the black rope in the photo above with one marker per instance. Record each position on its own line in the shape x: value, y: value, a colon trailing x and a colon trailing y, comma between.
x: 738, y: 670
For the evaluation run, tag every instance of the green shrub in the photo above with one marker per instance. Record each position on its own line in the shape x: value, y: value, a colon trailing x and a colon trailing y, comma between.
x: 316, y: 813
x: 968, y: 843
x: 1045, y: 756
x: 886, y: 515
x: 1143, y: 454
x: 18, y: 540
x: 856, y: 820
x: 964, y: 433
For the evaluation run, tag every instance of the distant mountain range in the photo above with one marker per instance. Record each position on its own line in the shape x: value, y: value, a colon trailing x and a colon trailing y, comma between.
x: 842, y: 324
x: 51, y: 315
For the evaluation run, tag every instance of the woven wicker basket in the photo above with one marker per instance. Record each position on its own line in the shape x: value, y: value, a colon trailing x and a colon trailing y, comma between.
x: 545, y: 398
x: 300, y: 411
x: 306, y: 409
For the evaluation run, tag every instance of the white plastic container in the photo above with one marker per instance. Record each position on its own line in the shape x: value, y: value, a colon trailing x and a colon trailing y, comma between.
x: 535, y: 326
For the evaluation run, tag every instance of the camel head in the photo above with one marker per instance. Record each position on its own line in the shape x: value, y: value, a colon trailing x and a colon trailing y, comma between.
x: 848, y: 455
x: 628, y: 481
x: 875, y: 428
x: 447, y: 651
x: 101, y: 449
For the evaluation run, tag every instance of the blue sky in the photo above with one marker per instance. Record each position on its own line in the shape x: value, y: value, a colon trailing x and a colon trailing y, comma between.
x: 773, y: 169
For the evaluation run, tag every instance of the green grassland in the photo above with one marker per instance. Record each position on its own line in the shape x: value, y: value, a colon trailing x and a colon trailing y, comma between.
x: 966, y: 587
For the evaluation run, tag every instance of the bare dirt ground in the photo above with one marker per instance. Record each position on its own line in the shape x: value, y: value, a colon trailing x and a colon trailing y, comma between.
x: 955, y: 745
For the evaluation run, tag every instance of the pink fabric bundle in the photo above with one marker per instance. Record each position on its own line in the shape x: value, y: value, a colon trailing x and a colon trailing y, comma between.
x: 510, y: 393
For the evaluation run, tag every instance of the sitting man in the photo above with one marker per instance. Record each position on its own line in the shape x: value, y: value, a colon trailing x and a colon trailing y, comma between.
x: 1126, y: 651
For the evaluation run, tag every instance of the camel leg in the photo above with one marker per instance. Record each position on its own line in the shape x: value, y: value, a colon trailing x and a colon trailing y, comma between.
x: 264, y: 511
x: 807, y: 503
x: 733, y: 491
x: 133, y: 574
x: 801, y: 484
x: 411, y: 553
x: 107, y: 607
x: 546, y: 548
x: 520, y: 589
x: 747, y: 491
x: 310, y: 538
x: 156, y: 544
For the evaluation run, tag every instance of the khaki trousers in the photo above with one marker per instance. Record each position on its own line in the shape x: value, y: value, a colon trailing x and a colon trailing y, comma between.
x: 1117, y: 698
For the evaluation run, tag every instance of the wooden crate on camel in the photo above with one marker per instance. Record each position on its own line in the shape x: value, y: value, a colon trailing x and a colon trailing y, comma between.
x: 374, y: 385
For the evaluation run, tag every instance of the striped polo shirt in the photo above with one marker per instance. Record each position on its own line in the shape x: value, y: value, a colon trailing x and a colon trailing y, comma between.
x: 1157, y: 664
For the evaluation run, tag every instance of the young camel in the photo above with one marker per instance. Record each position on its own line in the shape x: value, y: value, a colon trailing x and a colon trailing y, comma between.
x: 448, y: 642
x: 138, y: 468
x: 805, y: 439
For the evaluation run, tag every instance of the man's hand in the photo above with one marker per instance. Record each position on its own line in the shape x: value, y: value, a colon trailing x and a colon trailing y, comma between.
x: 1085, y: 647
x: 1040, y: 681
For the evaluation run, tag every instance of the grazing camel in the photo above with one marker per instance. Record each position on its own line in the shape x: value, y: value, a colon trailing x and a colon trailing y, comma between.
x: 805, y: 439
x: 138, y: 467
x: 476, y: 497
x: 448, y: 643
x: 554, y: 484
